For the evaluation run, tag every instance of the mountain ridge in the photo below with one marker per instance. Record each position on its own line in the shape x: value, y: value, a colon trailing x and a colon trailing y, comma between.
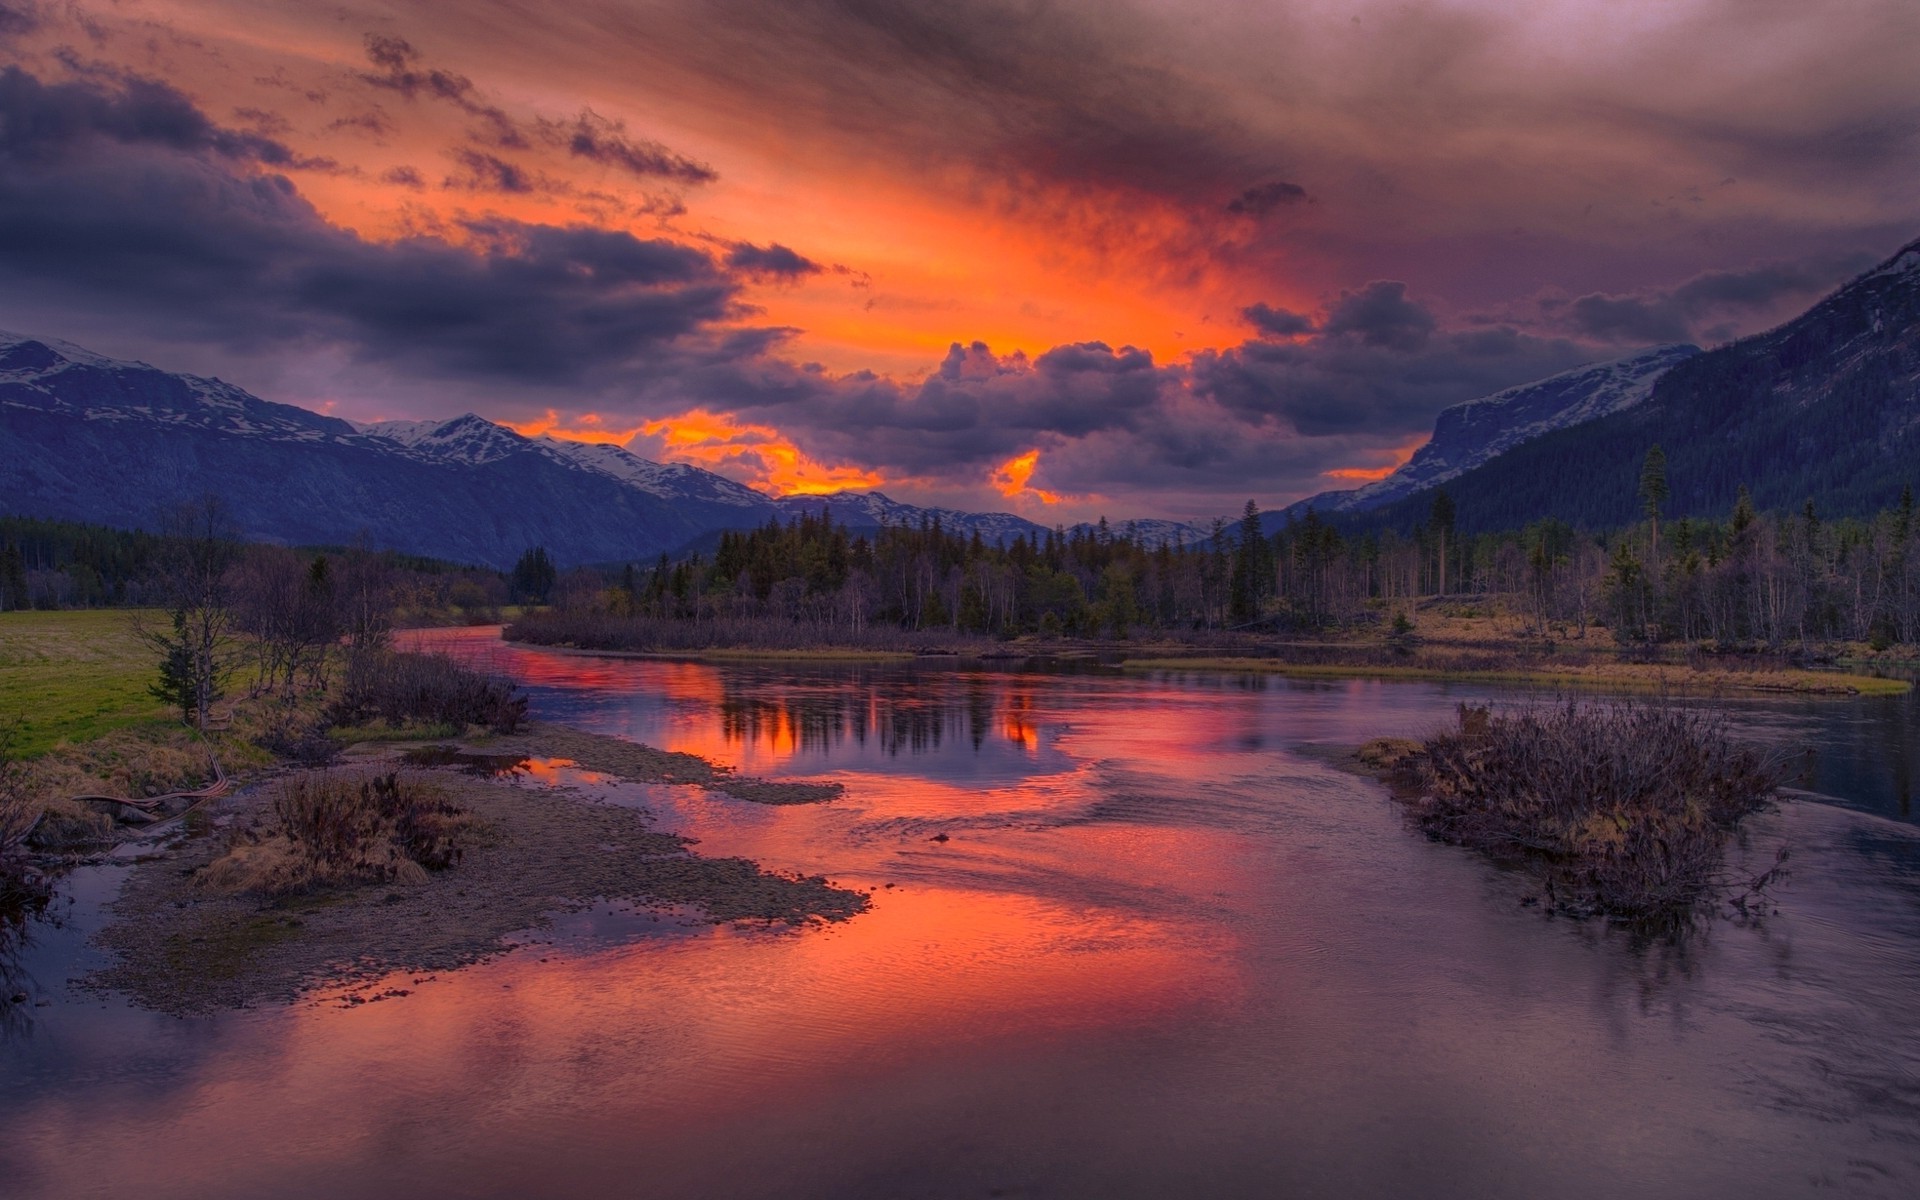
x: 1474, y: 432
x: 92, y: 438
x: 1823, y: 408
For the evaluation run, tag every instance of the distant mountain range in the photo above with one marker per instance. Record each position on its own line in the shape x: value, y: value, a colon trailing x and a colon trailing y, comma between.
x: 1825, y: 408
x: 90, y: 438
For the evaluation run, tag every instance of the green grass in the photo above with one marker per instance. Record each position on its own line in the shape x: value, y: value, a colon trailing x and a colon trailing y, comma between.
x: 72, y: 676
x: 410, y: 732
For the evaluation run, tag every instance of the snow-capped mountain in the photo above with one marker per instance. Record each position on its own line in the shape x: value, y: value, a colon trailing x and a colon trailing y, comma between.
x: 1473, y: 432
x: 669, y: 481
x: 1824, y: 408
x: 87, y: 437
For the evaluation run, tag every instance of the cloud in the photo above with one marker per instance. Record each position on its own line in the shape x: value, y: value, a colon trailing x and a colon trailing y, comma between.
x: 121, y: 198
x: 770, y: 262
x: 1380, y: 315
x: 17, y: 18
x: 1277, y: 322
x: 489, y: 173
x: 1699, y: 308
x: 1261, y: 200
x: 397, y: 69
x: 46, y: 121
x: 593, y: 137
x: 1376, y: 363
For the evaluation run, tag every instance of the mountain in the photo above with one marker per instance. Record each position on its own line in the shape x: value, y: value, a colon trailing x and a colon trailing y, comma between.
x: 89, y: 438
x: 1469, y: 434
x: 1824, y: 408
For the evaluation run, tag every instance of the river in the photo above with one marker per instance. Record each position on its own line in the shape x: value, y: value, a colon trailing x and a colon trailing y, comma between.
x: 1131, y: 935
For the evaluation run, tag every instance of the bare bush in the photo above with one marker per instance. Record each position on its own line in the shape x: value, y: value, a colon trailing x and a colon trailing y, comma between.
x: 342, y: 830
x: 400, y: 687
x: 22, y: 888
x: 287, y: 604
x: 1625, y: 808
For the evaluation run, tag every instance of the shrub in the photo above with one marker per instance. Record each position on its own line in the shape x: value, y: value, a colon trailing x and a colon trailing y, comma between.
x: 399, y: 687
x: 344, y: 830
x: 1624, y: 808
x: 22, y: 888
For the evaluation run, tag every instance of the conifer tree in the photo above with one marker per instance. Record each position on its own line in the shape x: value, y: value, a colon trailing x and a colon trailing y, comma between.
x: 1653, y: 494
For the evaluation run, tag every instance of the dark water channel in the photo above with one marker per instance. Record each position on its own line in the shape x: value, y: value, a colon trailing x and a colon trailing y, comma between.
x: 1164, y: 949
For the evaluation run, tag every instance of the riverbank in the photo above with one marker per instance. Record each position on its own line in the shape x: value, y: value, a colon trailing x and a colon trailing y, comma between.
x: 183, y: 946
x: 1598, y: 676
x: 1481, y: 642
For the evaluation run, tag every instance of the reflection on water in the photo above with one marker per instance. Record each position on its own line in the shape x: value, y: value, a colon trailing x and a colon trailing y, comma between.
x: 1156, y: 951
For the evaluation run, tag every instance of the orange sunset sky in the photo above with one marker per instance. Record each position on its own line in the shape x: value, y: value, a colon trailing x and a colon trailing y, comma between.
x: 1067, y: 259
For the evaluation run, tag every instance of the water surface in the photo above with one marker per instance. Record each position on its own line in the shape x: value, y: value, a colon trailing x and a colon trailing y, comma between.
x: 1131, y: 936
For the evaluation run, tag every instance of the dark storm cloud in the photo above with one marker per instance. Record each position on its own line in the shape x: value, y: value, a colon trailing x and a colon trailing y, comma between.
x: 44, y: 122
x: 1696, y: 309
x: 771, y: 262
x: 1261, y: 200
x: 597, y: 139
x: 1380, y: 315
x: 1375, y: 363
x: 1277, y: 322
x: 974, y: 411
x: 119, y: 197
x: 123, y: 198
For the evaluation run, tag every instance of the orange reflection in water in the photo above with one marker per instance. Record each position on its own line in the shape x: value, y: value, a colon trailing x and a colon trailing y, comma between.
x: 556, y: 771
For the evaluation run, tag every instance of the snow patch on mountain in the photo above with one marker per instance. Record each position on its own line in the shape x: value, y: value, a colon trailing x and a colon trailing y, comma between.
x: 666, y: 480
x: 1469, y: 434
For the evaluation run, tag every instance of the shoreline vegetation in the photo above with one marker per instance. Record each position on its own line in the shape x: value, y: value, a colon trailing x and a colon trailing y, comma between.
x: 1616, y: 809
x: 359, y: 842
x: 1483, y: 643
x: 260, y: 901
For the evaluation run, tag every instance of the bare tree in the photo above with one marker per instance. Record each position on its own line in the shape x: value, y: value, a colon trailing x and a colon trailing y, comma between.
x: 286, y: 603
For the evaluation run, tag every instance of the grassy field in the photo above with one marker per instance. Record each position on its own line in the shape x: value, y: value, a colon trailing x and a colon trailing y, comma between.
x: 73, y: 676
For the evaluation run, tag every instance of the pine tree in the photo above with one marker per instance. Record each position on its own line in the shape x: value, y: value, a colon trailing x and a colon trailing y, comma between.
x: 1743, y: 514
x: 177, y: 686
x: 1653, y: 494
x: 13, y: 578
x: 534, y: 576
x: 1440, y: 520
x: 1248, y: 567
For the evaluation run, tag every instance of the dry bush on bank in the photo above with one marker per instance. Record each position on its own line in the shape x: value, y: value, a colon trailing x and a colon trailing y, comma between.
x: 1626, y: 808
x: 22, y: 888
x: 399, y: 687
x: 334, y: 830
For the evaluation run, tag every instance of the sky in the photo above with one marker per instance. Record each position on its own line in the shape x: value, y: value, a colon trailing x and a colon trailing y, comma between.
x: 1135, y: 258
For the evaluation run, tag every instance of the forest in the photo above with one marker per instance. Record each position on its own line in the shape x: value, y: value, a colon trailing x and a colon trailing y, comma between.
x: 1747, y: 580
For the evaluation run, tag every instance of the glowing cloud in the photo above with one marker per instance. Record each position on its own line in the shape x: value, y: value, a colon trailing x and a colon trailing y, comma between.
x: 758, y: 455
x: 1369, y: 474
x: 589, y: 428
x: 1010, y: 478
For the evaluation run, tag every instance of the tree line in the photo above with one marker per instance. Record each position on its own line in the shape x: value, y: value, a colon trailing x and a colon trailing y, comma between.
x: 1748, y: 579
x: 51, y: 565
